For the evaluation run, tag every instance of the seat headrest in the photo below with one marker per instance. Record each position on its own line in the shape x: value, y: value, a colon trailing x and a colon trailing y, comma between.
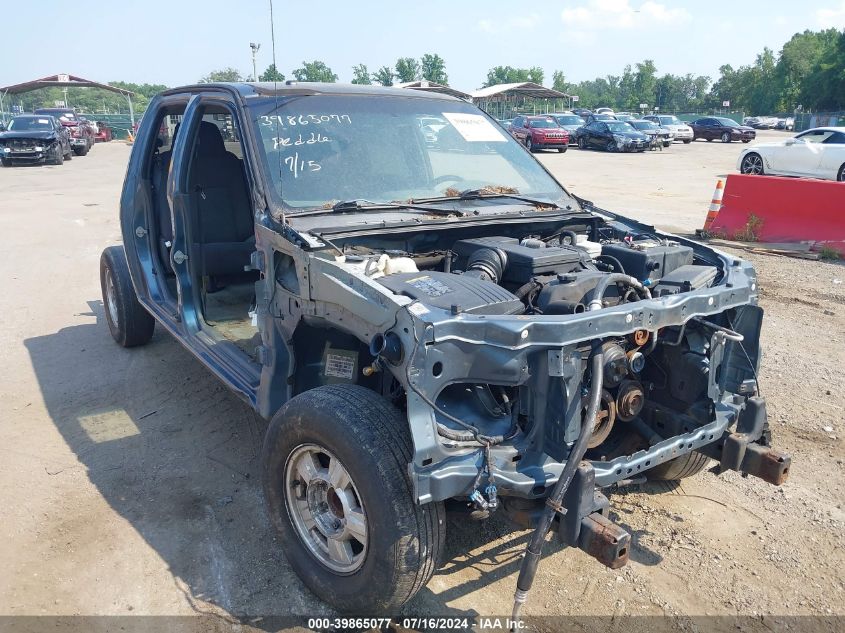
x: 210, y: 139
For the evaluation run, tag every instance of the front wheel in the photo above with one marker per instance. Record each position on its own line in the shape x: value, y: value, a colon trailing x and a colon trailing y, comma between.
x: 687, y: 141
x: 746, y: 140
x: 726, y: 137
x: 6, y: 162
x: 129, y: 323
x: 528, y: 144
x: 751, y: 164
x: 582, y: 143
x: 335, y: 475
x: 561, y: 150
x: 612, y: 147
x: 679, y: 468
x: 840, y: 176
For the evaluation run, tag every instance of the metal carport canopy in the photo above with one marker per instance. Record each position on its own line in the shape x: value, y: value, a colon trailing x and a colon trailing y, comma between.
x: 64, y: 81
x: 524, y: 89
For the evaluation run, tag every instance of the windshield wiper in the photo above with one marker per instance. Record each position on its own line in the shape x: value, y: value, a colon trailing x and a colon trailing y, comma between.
x: 359, y: 204
x: 487, y: 194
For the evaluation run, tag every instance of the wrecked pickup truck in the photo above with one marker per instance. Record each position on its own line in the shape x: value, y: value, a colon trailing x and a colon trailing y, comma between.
x: 427, y: 324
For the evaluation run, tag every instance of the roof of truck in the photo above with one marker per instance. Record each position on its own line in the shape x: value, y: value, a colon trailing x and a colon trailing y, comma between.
x: 290, y: 87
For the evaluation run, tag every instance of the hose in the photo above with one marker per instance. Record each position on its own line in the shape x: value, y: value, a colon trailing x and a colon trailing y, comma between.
x: 538, y: 538
x: 604, y: 283
x: 619, y: 268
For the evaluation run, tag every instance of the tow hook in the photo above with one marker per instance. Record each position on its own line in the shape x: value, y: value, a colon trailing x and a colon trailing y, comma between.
x: 605, y: 541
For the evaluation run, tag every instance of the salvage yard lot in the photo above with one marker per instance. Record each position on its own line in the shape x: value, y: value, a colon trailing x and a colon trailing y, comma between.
x: 129, y: 477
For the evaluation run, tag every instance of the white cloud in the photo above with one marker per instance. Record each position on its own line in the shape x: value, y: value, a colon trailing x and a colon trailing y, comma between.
x: 620, y: 14
x: 833, y: 17
x: 781, y: 20
x: 495, y: 27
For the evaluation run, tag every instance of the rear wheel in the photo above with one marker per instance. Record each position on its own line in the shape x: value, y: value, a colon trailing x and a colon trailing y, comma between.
x: 840, y: 176
x: 129, y: 323
x: 679, y: 468
x: 81, y: 151
x: 335, y: 476
x: 726, y: 137
x: 752, y: 163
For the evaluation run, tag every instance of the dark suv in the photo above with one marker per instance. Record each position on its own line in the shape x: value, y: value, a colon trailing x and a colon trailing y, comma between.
x: 539, y: 132
x: 722, y: 128
x: 423, y: 323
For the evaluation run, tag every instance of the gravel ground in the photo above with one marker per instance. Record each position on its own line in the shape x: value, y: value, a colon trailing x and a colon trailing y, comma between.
x: 128, y: 483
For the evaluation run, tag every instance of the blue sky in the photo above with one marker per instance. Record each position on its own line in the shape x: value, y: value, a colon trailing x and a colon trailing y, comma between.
x: 177, y: 41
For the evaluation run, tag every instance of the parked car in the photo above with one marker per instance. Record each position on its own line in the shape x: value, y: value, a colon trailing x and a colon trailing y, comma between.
x: 816, y: 153
x: 81, y: 131
x: 582, y: 112
x: 419, y: 330
x: 104, y: 132
x: 34, y: 138
x: 539, y: 132
x: 785, y: 123
x: 604, y: 110
x: 652, y: 130
x: 625, y: 116
x: 722, y: 128
x: 505, y: 123
x: 612, y: 136
x: 680, y: 130
x: 569, y: 122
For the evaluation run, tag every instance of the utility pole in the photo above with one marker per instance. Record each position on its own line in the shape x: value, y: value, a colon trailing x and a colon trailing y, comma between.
x: 254, y: 48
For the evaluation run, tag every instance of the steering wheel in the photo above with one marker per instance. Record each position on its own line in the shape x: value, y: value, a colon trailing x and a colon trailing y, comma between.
x: 446, y: 178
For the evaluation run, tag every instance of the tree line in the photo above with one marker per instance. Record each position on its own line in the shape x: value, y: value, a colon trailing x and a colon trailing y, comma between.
x: 809, y: 71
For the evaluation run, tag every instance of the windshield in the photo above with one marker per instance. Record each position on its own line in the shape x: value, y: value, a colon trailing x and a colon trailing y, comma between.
x: 543, y: 123
x: 670, y: 120
x: 25, y: 124
x: 322, y: 149
x: 643, y: 125
x: 619, y: 126
x: 570, y: 120
x: 727, y: 122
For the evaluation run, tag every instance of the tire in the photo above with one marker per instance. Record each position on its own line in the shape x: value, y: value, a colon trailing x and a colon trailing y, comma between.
x: 709, y: 140
x: 582, y: 143
x: 69, y: 154
x: 687, y: 141
x: 840, y: 175
x: 59, y: 159
x: 562, y: 150
x: 679, y: 468
x: 528, y: 144
x: 6, y: 162
x: 129, y: 323
x: 746, y: 140
x: 611, y: 147
x: 368, y: 438
x: 82, y: 151
x: 726, y: 137
x: 752, y: 164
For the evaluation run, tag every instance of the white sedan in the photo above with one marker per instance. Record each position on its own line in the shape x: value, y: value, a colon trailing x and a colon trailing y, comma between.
x: 816, y: 153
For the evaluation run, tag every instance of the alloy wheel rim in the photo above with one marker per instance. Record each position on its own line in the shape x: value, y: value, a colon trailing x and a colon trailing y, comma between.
x: 325, y: 508
x: 111, y: 297
x: 753, y: 164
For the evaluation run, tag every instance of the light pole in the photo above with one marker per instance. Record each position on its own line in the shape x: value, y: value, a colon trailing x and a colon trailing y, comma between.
x: 254, y: 48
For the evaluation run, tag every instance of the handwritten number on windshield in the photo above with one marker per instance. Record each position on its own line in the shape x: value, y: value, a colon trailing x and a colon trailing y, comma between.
x: 291, y: 120
x: 299, y: 166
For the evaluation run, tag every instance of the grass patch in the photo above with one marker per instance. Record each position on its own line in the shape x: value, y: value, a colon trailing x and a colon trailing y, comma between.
x: 830, y: 254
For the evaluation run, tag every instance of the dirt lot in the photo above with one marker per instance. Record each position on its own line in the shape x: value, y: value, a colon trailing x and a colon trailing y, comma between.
x: 128, y: 479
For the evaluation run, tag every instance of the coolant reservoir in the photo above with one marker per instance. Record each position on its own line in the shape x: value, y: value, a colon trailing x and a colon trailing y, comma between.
x: 395, y: 265
x: 593, y: 249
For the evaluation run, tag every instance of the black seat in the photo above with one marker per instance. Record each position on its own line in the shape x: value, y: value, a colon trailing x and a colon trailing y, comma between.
x: 224, y: 235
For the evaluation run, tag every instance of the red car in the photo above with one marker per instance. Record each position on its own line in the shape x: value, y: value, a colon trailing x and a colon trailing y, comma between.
x: 539, y: 132
x: 104, y: 133
x: 81, y: 131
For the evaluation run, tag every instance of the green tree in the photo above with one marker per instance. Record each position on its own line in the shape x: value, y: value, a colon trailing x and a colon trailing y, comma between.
x: 433, y: 68
x: 510, y: 75
x: 360, y: 75
x: 536, y: 75
x: 315, y: 71
x: 559, y: 81
x: 645, y: 83
x: 271, y: 74
x: 407, y: 69
x: 224, y: 74
x: 383, y: 76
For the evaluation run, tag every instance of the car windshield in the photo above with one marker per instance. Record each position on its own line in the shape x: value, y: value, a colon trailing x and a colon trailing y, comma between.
x: 643, y: 125
x: 543, y: 123
x: 670, y: 120
x: 619, y: 126
x: 27, y: 123
x: 570, y: 119
x: 321, y: 149
x: 727, y: 122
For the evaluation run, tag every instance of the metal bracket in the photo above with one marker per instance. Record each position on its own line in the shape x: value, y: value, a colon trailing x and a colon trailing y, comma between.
x: 179, y: 257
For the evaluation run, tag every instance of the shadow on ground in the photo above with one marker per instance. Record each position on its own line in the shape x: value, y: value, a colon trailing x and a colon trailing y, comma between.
x: 175, y: 453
